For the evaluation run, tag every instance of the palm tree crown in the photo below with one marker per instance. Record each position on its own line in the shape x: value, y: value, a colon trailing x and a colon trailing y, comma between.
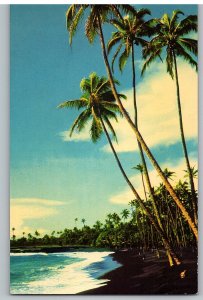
x: 130, y: 30
x: 76, y: 11
x: 170, y: 35
x: 97, y: 101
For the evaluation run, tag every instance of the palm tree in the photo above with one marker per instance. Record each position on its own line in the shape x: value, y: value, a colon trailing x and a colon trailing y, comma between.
x: 131, y: 30
x: 76, y: 219
x: 140, y: 168
x: 83, y: 221
x: 13, y: 230
x: 125, y: 214
x: 98, y: 15
x: 170, y: 36
x: 37, y: 234
x: 98, y: 104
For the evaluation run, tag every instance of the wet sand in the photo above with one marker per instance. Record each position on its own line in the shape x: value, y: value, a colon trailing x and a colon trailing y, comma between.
x: 149, y: 275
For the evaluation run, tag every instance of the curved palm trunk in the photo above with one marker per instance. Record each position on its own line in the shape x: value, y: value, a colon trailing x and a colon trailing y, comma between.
x: 194, y: 200
x: 141, y: 203
x: 140, y: 139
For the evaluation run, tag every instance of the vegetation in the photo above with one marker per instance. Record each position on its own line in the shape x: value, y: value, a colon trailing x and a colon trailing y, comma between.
x: 131, y: 228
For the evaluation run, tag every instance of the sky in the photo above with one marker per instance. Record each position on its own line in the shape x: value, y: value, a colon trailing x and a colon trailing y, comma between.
x: 55, y: 179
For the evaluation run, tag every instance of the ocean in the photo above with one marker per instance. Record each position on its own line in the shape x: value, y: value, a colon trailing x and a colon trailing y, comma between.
x: 59, y: 273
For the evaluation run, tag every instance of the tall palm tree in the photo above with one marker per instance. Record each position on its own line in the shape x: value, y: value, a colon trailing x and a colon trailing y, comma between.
x: 99, y: 107
x: 171, y: 37
x: 98, y: 15
x: 140, y: 168
x: 130, y: 32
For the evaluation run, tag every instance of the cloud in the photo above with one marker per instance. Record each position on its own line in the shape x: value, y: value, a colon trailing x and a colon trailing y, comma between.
x: 125, y: 196
x: 157, y: 108
x: 36, y: 201
x: 29, y: 209
x: 83, y: 136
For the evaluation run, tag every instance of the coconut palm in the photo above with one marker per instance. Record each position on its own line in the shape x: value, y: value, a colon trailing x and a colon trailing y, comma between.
x: 171, y: 37
x: 97, y: 16
x: 37, y: 234
x: 76, y: 219
x: 125, y: 213
x: 98, y: 107
x: 83, y: 221
x: 130, y: 32
x: 140, y: 168
x: 13, y: 230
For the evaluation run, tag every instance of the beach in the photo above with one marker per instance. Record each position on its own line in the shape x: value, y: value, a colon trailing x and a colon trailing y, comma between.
x: 149, y: 275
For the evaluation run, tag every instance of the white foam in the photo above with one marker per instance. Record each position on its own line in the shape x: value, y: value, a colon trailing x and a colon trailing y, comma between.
x: 71, y: 279
x: 28, y: 254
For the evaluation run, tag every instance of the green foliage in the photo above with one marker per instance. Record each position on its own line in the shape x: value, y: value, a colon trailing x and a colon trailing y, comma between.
x: 169, y: 35
x: 97, y: 102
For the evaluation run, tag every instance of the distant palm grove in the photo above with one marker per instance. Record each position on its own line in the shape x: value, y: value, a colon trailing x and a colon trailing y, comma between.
x: 166, y: 216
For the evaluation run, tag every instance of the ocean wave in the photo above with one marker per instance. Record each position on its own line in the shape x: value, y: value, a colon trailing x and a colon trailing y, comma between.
x: 71, y: 279
x: 28, y: 254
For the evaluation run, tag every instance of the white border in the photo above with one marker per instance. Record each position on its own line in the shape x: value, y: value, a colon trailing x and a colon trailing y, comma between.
x: 4, y: 161
x: 101, y: 2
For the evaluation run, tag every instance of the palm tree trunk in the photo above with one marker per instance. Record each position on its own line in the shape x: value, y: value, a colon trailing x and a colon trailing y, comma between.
x: 140, y: 139
x: 194, y: 200
x: 146, y: 174
x: 141, y: 203
x: 144, y: 186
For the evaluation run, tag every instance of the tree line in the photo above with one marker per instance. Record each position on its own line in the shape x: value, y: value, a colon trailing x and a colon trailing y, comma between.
x: 129, y: 229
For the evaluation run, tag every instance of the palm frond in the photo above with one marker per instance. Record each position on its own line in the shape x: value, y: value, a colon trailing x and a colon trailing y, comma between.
x: 74, y: 24
x: 174, y: 18
x: 123, y: 59
x: 152, y: 57
x: 108, y: 113
x: 78, y: 103
x: 180, y: 51
x: 116, y: 37
x: 127, y: 9
x: 165, y: 20
x: 142, y: 12
x: 113, y: 107
x: 187, y: 25
x: 190, y: 44
x: 96, y: 130
x: 85, y: 85
x: 90, y: 30
x: 115, y: 56
x: 120, y: 26
x: 76, y: 122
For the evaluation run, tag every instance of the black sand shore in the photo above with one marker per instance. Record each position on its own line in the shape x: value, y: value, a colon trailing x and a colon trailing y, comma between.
x: 149, y: 276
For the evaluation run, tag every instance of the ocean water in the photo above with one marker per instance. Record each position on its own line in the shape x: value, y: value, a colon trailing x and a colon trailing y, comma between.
x: 59, y: 273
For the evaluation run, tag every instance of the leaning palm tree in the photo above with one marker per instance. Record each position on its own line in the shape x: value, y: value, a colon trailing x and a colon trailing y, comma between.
x: 171, y: 37
x: 83, y: 221
x: 99, y: 108
x: 98, y: 15
x: 130, y: 32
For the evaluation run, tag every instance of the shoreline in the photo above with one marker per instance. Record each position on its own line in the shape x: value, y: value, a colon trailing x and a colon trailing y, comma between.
x: 148, y: 276
x: 138, y: 274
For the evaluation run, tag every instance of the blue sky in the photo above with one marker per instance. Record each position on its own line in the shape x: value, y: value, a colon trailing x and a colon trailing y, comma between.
x: 74, y: 178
